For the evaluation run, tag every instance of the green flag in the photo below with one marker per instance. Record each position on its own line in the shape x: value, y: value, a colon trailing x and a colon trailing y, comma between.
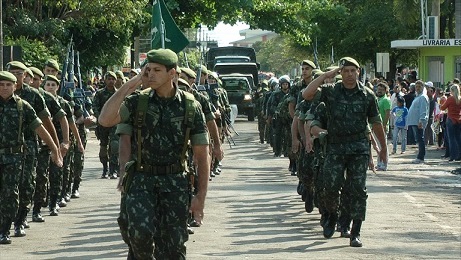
x: 175, y: 40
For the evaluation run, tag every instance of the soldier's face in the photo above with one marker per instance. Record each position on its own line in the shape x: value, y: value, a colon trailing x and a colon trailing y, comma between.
x: 306, y: 72
x: 6, y: 89
x: 50, y: 71
x: 110, y: 81
x: 20, y: 74
x: 36, y: 81
x: 28, y: 79
x: 349, y: 75
x: 158, y: 76
x: 51, y: 86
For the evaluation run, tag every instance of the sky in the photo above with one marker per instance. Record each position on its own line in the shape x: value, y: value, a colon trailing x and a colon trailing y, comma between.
x: 225, y: 33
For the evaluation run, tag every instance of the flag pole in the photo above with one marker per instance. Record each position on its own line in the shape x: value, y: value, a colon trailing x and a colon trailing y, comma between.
x: 162, y: 25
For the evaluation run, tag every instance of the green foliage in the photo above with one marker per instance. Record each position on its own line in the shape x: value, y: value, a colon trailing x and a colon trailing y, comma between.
x: 35, y: 53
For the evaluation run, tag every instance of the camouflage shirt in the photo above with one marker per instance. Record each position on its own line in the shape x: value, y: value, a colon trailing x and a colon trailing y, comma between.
x: 164, y: 129
x: 349, y: 111
x: 33, y: 97
x: 205, y: 103
x: 69, y: 115
x: 9, y: 126
x: 100, y: 98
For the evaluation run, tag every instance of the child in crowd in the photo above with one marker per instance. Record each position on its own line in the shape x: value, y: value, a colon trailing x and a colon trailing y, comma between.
x: 400, y: 113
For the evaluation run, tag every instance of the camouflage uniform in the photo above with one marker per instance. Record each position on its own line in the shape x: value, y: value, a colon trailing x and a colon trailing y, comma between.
x: 348, y: 146
x: 43, y: 157
x: 259, y: 110
x: 156, y: 202
x: 276, y: 97
x: 108, y: 151
x: 12, y: 155
x: 55, y: 172
x: 28, y: 176
x: 79, y: 157
x: 69, y: 163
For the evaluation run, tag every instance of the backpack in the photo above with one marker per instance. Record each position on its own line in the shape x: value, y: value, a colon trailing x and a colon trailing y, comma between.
x: 141, y: 112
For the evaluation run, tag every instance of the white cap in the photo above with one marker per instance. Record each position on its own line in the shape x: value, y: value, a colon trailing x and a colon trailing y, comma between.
x: 429, y: 84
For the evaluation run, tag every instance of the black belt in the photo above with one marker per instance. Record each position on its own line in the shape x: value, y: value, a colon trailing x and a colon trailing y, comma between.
x: 10, y: 150
x: 161, y: 169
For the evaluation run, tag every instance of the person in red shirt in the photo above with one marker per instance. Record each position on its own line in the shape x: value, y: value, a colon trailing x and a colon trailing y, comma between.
x: 453, y: 105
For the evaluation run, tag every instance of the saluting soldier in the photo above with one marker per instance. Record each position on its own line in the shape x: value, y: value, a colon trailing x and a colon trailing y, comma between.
x: 17, y: 115
x: 156, y: 186
x: 351, y: 107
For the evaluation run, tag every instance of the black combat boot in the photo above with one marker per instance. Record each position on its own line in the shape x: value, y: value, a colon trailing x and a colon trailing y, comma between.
x: 344, y: 226
x: 355, y: 233
x: 309, y: 200
x: 5, y: 232
x: 75, y: 193
x: 330, y: 224
x: 18, y: 227
x: 294, y: 167
x: 36, y: 214
x: 104, y: 171
x: 52, y: 206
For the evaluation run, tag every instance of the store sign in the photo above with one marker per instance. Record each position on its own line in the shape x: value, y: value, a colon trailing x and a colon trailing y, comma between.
x: 442, y: 42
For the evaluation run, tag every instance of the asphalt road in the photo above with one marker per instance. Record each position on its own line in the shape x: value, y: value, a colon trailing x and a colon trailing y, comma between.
x: 253, y: 212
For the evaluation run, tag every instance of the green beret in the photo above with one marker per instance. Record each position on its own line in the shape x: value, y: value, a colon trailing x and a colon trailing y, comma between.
x: 28, y: 71
x: 120, y: 74
x: 214, y: 75
x: 183, y: 82
x: 16, y: 65
x: 309, y: 63
x: 331, y: 68
x: 37, y: 72
x: 52, y: 78
x: 7, y: 76
x: 348, y: 61
x: 111, y: 74
x: 190, y: 73
x: 162, y: 56
x: 204, y: 70
x: 52, y: 64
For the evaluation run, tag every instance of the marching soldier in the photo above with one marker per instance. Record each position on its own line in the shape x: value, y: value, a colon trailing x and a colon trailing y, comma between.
x: 351, y: 107
x: 16, y: 116
x: 27, y: 184
x: 108, y: 140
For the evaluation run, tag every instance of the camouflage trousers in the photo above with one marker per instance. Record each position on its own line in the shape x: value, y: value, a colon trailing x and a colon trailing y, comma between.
x: 41, y: 182
x: 55, y: 179
x: 78, y: 161
x: 108, y: 147
x: 305, y: 169
x: 68, y: 163
x: 156, y: 212
x: 354, y: 183
x: 28, y: 176
x: 10, y: 174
